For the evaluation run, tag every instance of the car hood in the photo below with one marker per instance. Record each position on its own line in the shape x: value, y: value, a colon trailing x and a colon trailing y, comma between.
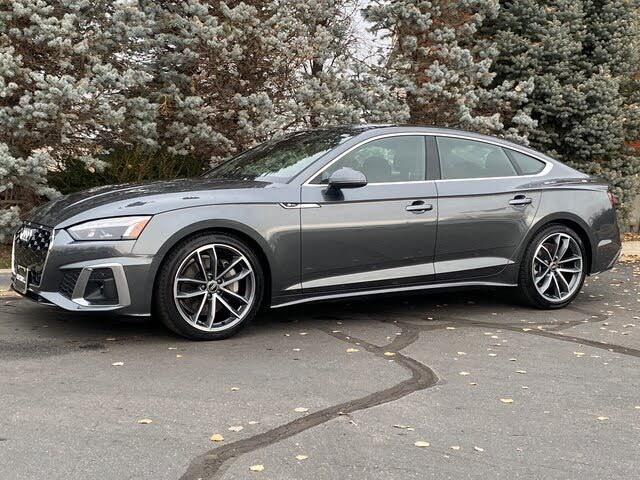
x: 146, y: 199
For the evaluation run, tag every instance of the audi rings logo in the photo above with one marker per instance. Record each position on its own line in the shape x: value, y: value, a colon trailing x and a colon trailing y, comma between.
x: 26, y: 234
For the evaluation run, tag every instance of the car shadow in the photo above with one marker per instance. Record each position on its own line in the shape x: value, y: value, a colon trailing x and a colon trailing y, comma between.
x: 99, y: 326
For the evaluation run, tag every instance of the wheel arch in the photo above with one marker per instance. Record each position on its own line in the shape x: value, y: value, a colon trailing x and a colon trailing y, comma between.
x: 569, y: 220
x: 235, y: 229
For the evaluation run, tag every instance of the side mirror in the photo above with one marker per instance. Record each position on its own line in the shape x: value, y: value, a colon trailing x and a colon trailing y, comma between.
x: 347, y: 178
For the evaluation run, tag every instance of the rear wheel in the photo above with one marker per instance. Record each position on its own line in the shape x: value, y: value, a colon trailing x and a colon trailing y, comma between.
x: 210, y: 287
x: 553, y: 268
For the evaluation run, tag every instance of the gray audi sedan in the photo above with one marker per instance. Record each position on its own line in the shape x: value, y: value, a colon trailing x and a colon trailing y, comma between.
x: 317, y: 215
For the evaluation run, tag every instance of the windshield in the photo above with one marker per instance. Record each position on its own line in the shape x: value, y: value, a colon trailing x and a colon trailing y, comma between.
x: 281, y: 160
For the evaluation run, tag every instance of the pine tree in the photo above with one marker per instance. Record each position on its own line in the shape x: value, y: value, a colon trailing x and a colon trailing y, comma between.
x: 203, y: 78
x: 443, y: 67
x: 232, y: 74
x: 65, y: 92
x: 581, y: 55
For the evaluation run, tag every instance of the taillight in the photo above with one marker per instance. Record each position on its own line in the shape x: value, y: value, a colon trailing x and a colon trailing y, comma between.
x: 612, y: 199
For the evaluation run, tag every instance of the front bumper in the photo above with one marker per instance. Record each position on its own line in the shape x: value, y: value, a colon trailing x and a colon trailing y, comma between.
x: 71, y: 265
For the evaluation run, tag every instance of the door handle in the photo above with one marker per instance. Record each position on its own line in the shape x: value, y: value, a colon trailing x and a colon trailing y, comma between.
x: 520, y: 200
x: 419, y: 207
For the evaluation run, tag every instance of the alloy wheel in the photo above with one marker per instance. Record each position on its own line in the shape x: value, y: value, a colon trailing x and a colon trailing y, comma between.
x: 557, y: 267
x: 214, y: 287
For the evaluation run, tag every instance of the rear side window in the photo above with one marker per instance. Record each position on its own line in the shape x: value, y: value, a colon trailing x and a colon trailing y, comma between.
x: 527, y: 165
x: 461, y: 158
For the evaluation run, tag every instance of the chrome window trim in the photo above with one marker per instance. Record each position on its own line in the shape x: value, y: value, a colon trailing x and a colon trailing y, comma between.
x: 548, y: 165
x: 364, y: 142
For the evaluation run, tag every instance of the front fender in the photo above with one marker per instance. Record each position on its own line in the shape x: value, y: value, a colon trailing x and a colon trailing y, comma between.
x: 275, y: 230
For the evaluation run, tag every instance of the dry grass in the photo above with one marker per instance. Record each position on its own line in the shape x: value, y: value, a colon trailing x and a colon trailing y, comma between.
x: 630, y: 237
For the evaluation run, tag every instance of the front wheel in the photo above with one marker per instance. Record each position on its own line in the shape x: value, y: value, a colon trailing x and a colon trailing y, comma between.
x: 553, y: 268
x: 210, y: 287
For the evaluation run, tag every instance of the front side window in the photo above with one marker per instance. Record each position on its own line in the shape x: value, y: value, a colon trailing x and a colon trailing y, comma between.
x: 281, y: 160
x: 461, y: 158
x: 390, y: 159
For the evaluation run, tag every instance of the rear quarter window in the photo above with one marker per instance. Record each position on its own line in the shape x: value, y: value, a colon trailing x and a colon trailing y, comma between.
x: 527, y: 165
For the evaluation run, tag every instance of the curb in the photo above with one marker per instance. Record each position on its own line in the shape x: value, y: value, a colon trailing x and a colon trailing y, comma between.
x: 5, y: 279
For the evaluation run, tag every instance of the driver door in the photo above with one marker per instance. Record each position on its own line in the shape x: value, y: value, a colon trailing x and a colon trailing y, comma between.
x: 381, y: 235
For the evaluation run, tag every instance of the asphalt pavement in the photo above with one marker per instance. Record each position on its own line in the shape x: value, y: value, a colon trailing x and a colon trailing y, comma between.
x: 441, y: 385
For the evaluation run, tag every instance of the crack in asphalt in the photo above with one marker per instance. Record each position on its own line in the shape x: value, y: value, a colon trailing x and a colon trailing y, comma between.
x: 211, y: 464
x: 519, y: 328
x: 610, y: 347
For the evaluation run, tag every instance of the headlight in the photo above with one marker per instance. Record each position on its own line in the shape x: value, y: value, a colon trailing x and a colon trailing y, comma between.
x: 121, y: 228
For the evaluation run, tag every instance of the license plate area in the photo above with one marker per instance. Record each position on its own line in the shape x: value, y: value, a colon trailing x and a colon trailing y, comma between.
x: 21, y: 280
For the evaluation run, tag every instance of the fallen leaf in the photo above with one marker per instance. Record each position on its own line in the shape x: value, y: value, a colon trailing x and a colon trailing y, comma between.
x: 235, y: 428
x: 421, y: 444
x: 301, y: 409
x: 301, y: 457
x: 145, y: 421
x: 117, y: 364
x: 256, y: 468
x: 352, y: 350
x: 404, y: 427
x: 216, y: 437
x: 506, y: 400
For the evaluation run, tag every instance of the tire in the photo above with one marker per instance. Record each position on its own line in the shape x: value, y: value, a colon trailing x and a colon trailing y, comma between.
x: 540, y: 266
x: 209, y: 272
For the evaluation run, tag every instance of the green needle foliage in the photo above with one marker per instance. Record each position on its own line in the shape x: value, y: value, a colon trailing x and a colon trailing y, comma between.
x: 104, y: 91
x: 582, y: 56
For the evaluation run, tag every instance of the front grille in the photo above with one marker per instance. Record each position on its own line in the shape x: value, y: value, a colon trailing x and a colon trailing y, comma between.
x: 30, y: 248
x: 68, y: 282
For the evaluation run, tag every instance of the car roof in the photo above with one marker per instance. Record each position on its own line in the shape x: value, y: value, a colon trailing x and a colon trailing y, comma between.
x: 379, y: 129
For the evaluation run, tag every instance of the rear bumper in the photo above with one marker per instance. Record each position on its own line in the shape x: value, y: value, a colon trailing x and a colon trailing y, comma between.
x: 69, y: 267
x: 606, y: 255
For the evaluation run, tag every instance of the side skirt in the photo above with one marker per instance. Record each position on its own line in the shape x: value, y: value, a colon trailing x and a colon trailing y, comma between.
x: 363, y: 293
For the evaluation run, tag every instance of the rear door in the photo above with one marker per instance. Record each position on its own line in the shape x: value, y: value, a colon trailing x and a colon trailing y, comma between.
x: 486, y: 206
x: 376, y: 236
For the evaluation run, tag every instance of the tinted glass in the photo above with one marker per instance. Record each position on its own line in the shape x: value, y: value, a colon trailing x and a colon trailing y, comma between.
x: 392, y: 159
x: 281, y: 160
x: 461, y: 158
x: 527, y: 165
